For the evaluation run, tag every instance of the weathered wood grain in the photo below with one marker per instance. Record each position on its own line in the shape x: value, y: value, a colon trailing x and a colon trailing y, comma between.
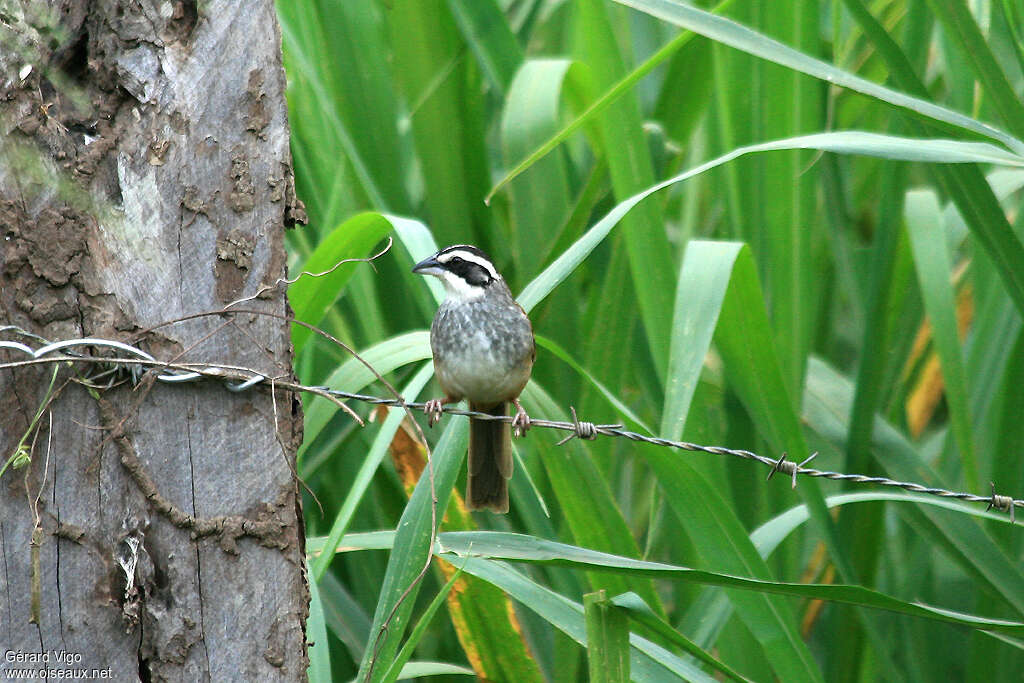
x: 145, y: 175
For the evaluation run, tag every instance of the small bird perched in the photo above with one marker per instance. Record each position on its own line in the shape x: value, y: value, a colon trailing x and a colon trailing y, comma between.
x: 483, y: 350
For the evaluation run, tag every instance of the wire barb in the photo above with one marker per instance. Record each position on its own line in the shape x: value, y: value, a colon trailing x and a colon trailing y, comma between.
x: 789, y: 467
x: 582, y: 430
x: 1002, y: 503
x: 784, y: 466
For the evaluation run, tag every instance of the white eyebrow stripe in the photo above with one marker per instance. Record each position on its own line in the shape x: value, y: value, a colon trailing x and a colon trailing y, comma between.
x: 472, y: 258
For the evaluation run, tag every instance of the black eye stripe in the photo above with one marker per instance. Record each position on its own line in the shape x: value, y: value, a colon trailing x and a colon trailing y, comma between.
x: 473, y: 273
x: 469, y: 263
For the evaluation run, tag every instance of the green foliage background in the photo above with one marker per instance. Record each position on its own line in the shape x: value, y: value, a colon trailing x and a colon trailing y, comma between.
x: 855, y: 289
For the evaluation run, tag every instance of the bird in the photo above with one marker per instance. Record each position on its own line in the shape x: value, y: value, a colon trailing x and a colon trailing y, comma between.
x: 483, y: 348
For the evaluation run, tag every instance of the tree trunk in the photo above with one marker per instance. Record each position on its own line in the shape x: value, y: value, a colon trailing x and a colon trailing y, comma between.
x: 144, y: 177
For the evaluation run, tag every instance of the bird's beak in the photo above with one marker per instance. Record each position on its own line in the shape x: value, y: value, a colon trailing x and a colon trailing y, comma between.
x: 428, y: 266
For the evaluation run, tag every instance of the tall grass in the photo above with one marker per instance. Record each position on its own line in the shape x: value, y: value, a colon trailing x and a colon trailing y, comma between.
x: 795, y: 229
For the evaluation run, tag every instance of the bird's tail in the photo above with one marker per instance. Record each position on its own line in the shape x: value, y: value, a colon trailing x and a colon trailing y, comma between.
x: 490, y: 461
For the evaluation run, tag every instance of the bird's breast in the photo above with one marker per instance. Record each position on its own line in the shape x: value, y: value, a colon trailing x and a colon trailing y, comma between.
x: 483, y: 351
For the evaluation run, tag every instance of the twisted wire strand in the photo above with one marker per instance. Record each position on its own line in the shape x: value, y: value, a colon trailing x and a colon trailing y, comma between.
x: 237, y: 378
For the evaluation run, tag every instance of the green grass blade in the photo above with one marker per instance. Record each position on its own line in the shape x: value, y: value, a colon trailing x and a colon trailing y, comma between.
x: 710, y: 521
x: 490, y: 38
x: 470, y: 546
x: 780, y: 193
x: 411, y: 550
x: 312, y: 296
x: 413, y: 671
x: 706, y: 269
x: 352, y: 64
x: 613, y: 400
x: 742, y: 38
x: 1013, y: 16
x: 419, y: 243
x: 346, y: 619
x: 590, y: 511
x: 850, y: 142
x: 769, y: 535
x: 607, y: 98
x: 319, y: 670
x: 928, y: 241
x: 827, y: 401
x: 420, y: 629
x: 719, y: 295
x: 607, y: 639
x: 539, y: 199
x: 445, y: 103
x: 640, y: 612
x: 354, y: 376
x: 648, y: 661
x: 520, y: 548
x: 681, y: 109
x: 358, y: 487
x: 966, y: 186
x: 293, y: 45
x: 611, y: 316
x: 963, y: 31
x: 629, y: 164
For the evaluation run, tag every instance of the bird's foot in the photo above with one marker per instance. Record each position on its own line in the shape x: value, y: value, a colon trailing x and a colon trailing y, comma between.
x: 521, y: 421
x: 433, y: 409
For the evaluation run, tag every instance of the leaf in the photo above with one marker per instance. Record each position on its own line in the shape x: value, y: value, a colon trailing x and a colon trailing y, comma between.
x: 712, y: 273
x: 411, y: 550
x: 742, y: 38
x: 416, y: 670
x: 497, y: 545
x: 964, y: 32
x: 607, y: 639
x: 630, y: 167
x: 614, y: 401
x: 769, y: 535
x: 707, y: 267
x: 931, y: 258
x: 301, y: 30
x: 648, y: 661
x: 849, y: 142
x: 515, y: 547
x: 489, y: 36
x: 358, y: 486
x: 638, y: 610
x: 601, y: 103
x: 398, y: 665
x: 345, y: 618
x: 827, y: 400
x: 966, y: 186
x: 312, y: 296
x: 319, y: 670
x: 591, y: 513
x: 446, y: 116
x: 539, y: 199
x: 354, y: 376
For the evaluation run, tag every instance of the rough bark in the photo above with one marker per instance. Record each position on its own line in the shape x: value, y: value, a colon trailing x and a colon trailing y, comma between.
x: 145, y: 176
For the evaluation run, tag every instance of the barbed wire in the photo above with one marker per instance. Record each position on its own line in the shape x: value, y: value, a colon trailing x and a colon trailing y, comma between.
x: 238, y: 378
